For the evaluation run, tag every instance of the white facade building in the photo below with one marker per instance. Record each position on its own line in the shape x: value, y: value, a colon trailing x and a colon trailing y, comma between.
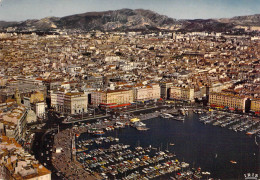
x: 40, y: 109
x: 147, y: 92
x: 75, y: 102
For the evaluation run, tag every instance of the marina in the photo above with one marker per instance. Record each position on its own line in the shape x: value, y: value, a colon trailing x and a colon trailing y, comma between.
x: 117, y: 148
x: 242, y: 123
x: 119, y: 161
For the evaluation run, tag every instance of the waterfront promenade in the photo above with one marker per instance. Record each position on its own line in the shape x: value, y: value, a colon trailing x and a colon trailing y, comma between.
x: 71, y: 121
x: 65, y: 162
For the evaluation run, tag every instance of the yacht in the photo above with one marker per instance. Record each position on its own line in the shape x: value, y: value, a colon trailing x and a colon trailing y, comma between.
x: 99, y: 132
x: 179, y: 118
x: 166, y: 115
x: 139, y: 124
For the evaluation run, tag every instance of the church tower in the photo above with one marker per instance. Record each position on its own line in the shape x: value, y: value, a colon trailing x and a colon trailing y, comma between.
x: 17, y: 97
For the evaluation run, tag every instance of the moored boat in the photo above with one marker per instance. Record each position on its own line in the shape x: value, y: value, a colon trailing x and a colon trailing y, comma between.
x: 166, y: 115
x: 99, y: 132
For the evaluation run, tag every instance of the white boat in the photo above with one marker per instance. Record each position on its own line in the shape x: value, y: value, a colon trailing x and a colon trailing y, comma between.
x: 139, y: 124
x: 179, y: 118
x: 166, y: 115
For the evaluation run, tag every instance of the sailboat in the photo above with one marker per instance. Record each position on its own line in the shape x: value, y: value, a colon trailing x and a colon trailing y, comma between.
x: 167, y: 149
x: 116, y: 139
x: 138, y: 146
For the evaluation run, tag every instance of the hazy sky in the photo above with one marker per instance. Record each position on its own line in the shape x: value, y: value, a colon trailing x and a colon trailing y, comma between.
x: 16, y: 10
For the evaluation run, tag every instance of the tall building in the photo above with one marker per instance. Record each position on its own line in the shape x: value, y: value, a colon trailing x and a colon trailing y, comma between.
x: 39, y: 108
x: 75, y: 102
x: 57, y: 100
x: 17, y: 97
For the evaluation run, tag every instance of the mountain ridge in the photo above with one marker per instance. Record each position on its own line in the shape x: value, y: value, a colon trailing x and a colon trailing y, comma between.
x: 129, y: 19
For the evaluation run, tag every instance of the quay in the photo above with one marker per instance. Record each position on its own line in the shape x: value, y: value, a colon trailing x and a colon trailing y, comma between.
x: 71, y: 121
x: 141, y: 117
x: 85, y: 119
x: 64, y: 161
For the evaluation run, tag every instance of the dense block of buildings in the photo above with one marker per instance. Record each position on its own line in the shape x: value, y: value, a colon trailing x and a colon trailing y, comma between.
x: 187, y: 66
x: 13, y: 120
x: 17, y: 164
x: 25, y: 89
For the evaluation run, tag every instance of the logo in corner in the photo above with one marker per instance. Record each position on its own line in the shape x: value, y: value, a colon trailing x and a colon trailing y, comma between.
x: 251, y: 176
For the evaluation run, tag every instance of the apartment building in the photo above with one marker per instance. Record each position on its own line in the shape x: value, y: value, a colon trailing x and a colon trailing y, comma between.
x: 227, y: 100
x: 184, y: 93
x: 69, y: 102
x: 255, y: 105
x: 57, y: 100
x: 120, y: 96
x: 75, y: 102
x: 146, y: 92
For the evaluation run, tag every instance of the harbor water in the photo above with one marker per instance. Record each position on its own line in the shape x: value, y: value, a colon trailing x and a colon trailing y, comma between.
x: 206, y: 146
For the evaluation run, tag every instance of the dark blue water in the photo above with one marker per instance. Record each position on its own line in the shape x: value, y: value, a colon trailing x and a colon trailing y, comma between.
x: 206, y: 146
